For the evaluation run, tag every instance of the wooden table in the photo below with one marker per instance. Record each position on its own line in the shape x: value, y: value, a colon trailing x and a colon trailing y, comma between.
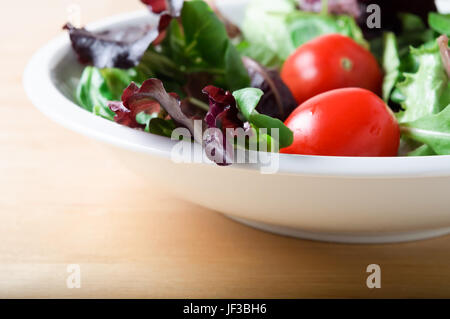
x: 64, y: 200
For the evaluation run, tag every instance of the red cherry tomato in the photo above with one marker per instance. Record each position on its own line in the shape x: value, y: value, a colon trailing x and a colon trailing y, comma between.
x: 330, y: 62
x: 344, y: 122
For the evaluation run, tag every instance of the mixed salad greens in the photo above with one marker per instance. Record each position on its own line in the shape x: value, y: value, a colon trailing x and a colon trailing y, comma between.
x: 196, y: 65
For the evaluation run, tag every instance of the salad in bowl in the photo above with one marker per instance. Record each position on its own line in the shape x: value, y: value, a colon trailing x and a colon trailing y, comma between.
x: 350, y: 98
x: 331, y: 78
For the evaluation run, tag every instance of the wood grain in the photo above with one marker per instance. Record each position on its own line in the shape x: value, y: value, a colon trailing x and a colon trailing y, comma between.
x: 64, y: 200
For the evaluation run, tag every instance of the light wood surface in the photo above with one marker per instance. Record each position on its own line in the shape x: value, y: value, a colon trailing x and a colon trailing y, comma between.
x: 64, y: 200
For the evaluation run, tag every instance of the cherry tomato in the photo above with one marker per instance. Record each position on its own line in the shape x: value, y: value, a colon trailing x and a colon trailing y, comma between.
x: 330, y: 62
x: 344, y: 122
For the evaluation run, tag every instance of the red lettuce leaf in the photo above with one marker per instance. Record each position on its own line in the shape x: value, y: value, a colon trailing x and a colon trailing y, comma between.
x: 170, y: 7
x: 222, y: 114
x: 167, y: 10
x: 277, y: 100
x: 152, y: 97
x: 149, y: 98
x: 127, y: 110
x: 122, y: 48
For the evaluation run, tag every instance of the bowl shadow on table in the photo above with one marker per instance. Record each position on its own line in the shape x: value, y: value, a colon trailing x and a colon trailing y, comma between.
x: 202, y: 254
x: 289, y: 267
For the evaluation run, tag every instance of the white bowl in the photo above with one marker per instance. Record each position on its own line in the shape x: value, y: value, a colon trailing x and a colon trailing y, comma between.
x: 339, y: 199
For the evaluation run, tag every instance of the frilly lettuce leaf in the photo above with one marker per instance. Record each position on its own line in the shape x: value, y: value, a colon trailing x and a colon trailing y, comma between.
x: 425, y: 91
x: 305, y: 26
x: 150, y: 98
x: 285, y: 28
x: 266, y: 35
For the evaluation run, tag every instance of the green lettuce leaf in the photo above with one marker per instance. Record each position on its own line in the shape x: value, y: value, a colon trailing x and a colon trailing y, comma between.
x: 206, y: 35
x: 246, y: 101
x: 194, y: 45
x: 423, y: 150
x: 305, y: 26
x: 425, y: 91
x: 391, y: 64
x: 432, y: 130
x: 266, y: 33
x: 439, y: 22
x: 98, y: 86
x: 273, y: 30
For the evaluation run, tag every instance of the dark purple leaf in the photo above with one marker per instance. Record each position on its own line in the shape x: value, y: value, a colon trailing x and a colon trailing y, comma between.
x: 193, y: 90
x: 121, y: 48
x: 170, y: 102
x: 128, y: 108
x: 277, y: 100
x: 445, y: 52
x: 222, y: 114
x: 123, y: 115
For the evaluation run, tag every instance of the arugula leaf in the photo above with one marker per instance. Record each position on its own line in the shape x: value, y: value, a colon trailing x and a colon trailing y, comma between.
x: 246, y: 101
x: 439, y: 22
x: 432, y: 130
x: 286, y: 136
x: 423, y: 150
x: 425, y: 91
